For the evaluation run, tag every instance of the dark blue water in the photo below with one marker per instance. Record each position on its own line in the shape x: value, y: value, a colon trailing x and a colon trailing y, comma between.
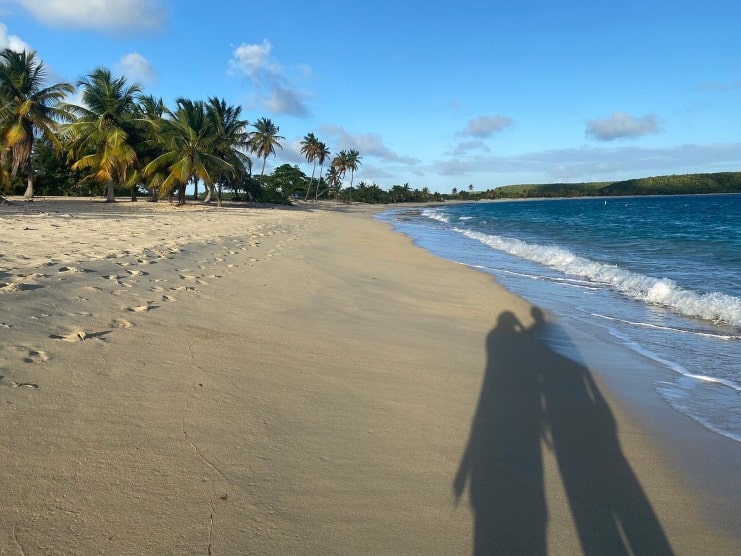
x: 658, y: 277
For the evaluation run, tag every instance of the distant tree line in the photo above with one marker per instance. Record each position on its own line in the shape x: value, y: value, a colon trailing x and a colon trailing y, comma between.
x: 682, y: 184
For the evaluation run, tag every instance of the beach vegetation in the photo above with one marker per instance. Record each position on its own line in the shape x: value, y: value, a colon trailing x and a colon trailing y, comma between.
x: 230, y: 144
x: 682, y: 184
x: 287, y: 180
x: 264, y: 140
x: 28, y: 108
x: 103, y: 137
x: 347, y: 160
x: 189, y: 150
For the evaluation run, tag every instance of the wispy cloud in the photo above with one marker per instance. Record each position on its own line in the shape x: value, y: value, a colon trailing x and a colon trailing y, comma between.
x: 368, y: 144
x: 467, y: 146
x: 622, y: 126
x: 484, y: 127
x: 105, y: 15
x: 272, y: 89
x: 597, y: 163
x: 137, y: 69
x: 721, y: 87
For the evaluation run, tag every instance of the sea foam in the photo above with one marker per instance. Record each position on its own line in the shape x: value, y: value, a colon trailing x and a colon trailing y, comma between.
x: 716, y: 307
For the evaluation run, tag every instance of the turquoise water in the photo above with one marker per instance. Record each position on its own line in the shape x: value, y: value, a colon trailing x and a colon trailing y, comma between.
x: 659, y: 277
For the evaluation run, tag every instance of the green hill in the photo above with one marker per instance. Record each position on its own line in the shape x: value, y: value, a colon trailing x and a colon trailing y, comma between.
x: 722, y: 182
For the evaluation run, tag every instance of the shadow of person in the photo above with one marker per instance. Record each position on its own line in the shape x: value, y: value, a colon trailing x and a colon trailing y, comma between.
x: 502, y: 462
x: 611, y: 512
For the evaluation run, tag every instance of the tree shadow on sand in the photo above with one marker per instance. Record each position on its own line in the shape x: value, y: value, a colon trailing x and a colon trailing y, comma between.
x: 532, y: 396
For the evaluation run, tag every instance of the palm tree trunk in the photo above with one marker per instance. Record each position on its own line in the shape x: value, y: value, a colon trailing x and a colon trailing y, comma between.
x: 110, y: 196
x: 133, y: 193
x: 29, y: 172
x: 318, y: 182
x: 308, y: 189
x: 216, y: 194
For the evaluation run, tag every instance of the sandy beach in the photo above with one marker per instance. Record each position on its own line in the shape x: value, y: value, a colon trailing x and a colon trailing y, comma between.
x: 256, y: 380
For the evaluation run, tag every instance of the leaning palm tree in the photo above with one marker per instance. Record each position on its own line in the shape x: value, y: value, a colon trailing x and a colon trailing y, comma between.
x: 188, y: 150
x: 103, y: 137
x: 322, y: 154
x: 347, y: 160
x: 28, y: 108
x: 230, y: 141
x: 309, y: 146
x: 352, y: 162
x: 334, y: 179
x: 264, y: 139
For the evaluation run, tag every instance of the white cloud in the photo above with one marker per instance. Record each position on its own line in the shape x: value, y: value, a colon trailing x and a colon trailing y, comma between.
x: 485, y: 126
x: 368, y: 144
x: 106, y: 15
x: 272, y: 89
x: 622, y: 126
x: 13, y: 42
x: 254, y: 59
x: 136, y: 68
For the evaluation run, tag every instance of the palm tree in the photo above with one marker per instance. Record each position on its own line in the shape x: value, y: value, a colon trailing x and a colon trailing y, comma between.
x: 309, y: 146
x: 347, y: 160
x: 334, y: 178
x: 231, y: 140
x: 263, y: 140
x: 27, y: 108
x: 150, y: 111
x: 322, y: 154
x: 188, y: 149
x: 103, y: 137
x: 339, y: 164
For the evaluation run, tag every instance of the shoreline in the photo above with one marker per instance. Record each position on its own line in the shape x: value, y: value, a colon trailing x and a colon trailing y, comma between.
x: 299, y: 380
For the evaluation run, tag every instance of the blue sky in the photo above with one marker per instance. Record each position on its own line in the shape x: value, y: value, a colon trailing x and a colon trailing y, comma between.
x: 435, y: 95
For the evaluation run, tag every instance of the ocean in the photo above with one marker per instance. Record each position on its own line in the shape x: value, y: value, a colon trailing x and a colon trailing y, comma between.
x: 653, y: 280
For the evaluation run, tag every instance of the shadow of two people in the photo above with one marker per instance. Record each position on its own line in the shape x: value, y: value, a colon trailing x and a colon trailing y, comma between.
x: 532, y: 396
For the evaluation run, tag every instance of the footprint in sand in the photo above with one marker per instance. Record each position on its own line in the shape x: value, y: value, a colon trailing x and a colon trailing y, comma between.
x: 184, y: 289
x: 121, y: 323
x: 79, y: 336
x: 30, y: 355
x: 36, y: 356
x: 169, y: 298
x: 32, y: 385
x: 18, y: 287
x: 137, y: 272
x: 143, y: 308
x: 5, y: 325
x: 69, y: 269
